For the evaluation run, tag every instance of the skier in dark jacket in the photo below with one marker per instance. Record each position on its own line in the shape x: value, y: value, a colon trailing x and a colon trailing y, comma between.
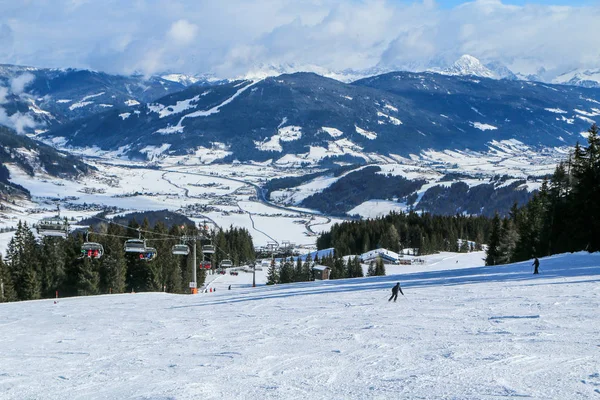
x: 536, y: 266
x: 395, y: 290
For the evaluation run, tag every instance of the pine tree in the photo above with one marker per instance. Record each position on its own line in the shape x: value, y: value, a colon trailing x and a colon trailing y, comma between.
x: 286, y: 273
x: 379, y: 267
x: 52, y: 265
x: 493, y: 251
x: 272, y: 275
x: 391, y: 239
x: 299, y: 276
x: 7, y: 291
x: 354, y: 268
x: 307, y: 269
x: 507, y: 243
x: 23, y: 262
x: 371, y: 271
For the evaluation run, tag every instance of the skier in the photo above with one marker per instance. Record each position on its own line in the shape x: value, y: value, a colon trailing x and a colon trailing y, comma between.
x: 229, y: 287
x: 395, y: 290
x: 536, y: 266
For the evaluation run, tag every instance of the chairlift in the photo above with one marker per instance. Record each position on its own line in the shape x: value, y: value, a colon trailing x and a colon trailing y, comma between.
x: 135, y: 246
x: 226, y: 264
x: 149, y: 254
x: 208, y: 249
x: 180, y: 250
x: 92, y: 250
x: 53, y: 226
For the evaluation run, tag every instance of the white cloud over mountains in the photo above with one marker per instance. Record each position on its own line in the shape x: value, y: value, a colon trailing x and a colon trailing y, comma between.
x: 232, y: 37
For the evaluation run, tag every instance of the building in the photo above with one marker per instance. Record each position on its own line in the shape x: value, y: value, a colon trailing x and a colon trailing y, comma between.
x: 387, y: 256
x: 320, y: 272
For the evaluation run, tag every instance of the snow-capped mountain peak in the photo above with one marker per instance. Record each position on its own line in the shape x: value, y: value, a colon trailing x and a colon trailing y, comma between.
x: 469, y: 65
x: 580, y: 77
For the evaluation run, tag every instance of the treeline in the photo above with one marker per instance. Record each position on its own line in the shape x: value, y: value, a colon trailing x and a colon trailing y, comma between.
x: 34, y: 269
x: 398, y: 231
x: 563, y: 216
x: 484, y: 199
x: 302, y: 271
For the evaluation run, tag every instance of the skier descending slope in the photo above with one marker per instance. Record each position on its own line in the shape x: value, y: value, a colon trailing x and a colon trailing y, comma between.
x: 395, y: 290
x: 536, y: 266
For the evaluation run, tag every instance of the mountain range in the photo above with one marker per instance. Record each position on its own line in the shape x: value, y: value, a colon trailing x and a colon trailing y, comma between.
x: 305, y: 118
x: 459, y: 119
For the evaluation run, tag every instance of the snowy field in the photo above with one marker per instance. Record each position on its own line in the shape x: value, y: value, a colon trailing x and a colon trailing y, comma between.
x: 461, y: 332
x: 222, y: 194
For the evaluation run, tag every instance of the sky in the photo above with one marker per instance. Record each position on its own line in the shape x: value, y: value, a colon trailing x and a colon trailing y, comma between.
x: 233, y: 38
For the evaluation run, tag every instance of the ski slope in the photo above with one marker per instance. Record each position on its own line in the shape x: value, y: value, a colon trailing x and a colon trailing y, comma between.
x: 461, y: 332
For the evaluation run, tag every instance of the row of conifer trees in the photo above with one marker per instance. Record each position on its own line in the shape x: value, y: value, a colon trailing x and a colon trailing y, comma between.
x: 564, y: 216
x: 297, y: 270
x: 42, y: 268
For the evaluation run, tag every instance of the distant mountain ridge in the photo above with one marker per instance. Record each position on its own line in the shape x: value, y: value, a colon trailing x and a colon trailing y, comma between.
x: 304, y: 118
x: 34, y: 158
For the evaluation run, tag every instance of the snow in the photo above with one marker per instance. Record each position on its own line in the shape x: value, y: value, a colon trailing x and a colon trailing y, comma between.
x: 301, y: 192
x: 333, y: 132
x: 377, y: 208
x: 586, y: 119
x: 290, y: 133
x: 131, y: 102
x: 469, y: 65
x: 63, y: 101
x: 390, y: 107
x: 461, y: 331
x: 284, y: 134
x: 170, y: 129
x: 80, y: 104
x: 153, y: 151
x: 179, y: 107
x: 124, y: 116
x: 91, y: 96
x: 365, y: 133
x: 483, y: 127
x: 180, y: 78
x: 393, y: 120
x: 587, y: 114
x: 556, y: 110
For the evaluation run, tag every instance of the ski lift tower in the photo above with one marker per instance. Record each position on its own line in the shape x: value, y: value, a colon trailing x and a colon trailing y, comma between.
x: 271, y: 247
x: 192, y: 240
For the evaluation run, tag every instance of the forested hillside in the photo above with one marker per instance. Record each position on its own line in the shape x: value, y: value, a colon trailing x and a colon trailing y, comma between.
x: 36, y: 269
x: 563, y: 217
x: 425, y: 232
x: 31, y: 157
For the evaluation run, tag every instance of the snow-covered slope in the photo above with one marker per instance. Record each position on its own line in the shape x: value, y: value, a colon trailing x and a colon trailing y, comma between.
x: 460, y: 332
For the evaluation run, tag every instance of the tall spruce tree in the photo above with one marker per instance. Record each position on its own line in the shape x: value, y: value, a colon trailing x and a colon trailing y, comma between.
x: 272, y: 274
x: 7, y: 291
x: 493, y: 250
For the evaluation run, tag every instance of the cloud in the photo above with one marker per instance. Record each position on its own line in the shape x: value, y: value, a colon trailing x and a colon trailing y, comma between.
x: 19, y: 83
x: 17, y: 121
x: 3, y: 95
x: 182, y: 32
x: 236, y: 36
